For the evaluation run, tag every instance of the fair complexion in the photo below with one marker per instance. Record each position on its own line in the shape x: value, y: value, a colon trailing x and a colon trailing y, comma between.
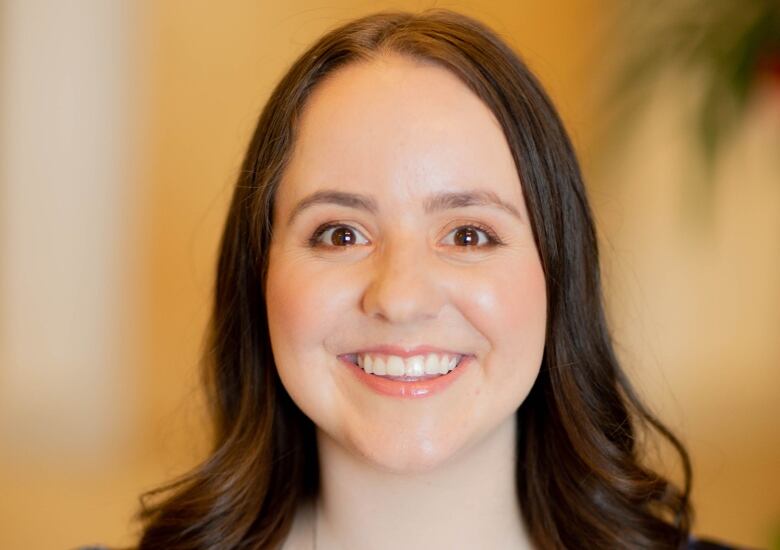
x: 407, y: 271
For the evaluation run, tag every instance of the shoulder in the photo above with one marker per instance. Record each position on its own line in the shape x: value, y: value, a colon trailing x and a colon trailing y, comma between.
x: 696, y: 543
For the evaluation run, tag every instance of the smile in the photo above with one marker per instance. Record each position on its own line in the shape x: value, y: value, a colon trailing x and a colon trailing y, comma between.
x: 411, y: 368
x: 420, y: 375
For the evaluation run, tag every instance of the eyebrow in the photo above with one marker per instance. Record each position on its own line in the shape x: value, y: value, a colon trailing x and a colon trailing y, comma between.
x: 445, y: 200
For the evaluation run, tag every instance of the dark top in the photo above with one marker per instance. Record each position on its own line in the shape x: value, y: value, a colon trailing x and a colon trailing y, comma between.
x: 695, y: 543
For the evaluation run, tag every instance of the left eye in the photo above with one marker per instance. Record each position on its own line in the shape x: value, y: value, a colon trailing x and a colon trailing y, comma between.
x: 469, y: 236
x: 337, y: 235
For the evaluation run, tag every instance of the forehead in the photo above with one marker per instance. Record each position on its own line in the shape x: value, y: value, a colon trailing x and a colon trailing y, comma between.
x: 398, y: 128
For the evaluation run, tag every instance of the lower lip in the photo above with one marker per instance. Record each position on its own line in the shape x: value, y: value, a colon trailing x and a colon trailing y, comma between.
x: 411, y: 389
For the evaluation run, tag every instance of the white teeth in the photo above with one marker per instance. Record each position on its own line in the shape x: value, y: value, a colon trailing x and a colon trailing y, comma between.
x: 366, y: 364
x: 453, y: 363
x: 395, y: 366
x: 379, y: 366
x: 432, y: 364
x: 415, y: 366
x: 444, y: 365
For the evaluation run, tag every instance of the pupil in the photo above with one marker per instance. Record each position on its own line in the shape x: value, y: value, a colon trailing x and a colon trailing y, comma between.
x: 468, y: 234
x: 342, y: 235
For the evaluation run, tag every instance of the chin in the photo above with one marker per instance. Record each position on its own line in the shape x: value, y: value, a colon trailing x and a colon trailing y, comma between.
x: 399, y: 455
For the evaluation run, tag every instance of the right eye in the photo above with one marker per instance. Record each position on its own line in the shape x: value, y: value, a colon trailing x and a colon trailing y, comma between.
x: 336, y: 235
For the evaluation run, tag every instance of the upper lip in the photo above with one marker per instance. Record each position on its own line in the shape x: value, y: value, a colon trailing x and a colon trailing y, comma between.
x: 405, y: 351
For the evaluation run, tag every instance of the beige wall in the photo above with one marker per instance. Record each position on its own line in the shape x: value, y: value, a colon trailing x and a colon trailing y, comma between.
x: 693, y: 275
x: 696, y: 318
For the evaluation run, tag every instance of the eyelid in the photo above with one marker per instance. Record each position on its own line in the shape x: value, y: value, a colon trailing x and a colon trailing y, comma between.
x: 493, y: 239
x: 314, y: 239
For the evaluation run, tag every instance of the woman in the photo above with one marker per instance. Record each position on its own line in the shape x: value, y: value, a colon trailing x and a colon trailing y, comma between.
x: 408, y: 346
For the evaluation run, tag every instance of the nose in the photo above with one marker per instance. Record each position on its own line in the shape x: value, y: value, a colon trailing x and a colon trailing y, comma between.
x: 404, y: 285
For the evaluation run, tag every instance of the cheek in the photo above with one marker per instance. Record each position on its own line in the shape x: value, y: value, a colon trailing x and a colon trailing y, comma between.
x: 519, y: 305
x: 292, y: 304
x: 302, y: 301
x: 303, y: 298
x: 508, y: 306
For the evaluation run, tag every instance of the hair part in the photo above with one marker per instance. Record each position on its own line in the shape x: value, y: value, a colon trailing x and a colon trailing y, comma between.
x: 580, y: 476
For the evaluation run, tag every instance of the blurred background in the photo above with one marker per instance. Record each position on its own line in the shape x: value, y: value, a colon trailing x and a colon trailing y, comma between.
x: 122, y: 127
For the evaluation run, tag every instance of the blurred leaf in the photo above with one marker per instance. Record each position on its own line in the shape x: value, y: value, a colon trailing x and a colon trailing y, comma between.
x: 722, y: 40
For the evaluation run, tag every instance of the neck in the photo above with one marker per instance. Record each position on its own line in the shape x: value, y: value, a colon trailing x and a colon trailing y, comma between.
x: 468, y: 502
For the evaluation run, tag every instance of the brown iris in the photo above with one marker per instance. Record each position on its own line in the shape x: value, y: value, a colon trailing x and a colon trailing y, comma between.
x: 466, y: 236
x: 342, y: 236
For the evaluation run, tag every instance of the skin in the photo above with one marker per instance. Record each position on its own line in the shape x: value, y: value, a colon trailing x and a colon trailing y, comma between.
x: 443, y: 467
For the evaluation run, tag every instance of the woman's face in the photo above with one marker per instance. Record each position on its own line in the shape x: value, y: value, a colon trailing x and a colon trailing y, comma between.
x: 407, y: 167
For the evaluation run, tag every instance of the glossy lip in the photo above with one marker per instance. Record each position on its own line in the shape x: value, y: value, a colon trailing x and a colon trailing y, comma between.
x: 412, y: 388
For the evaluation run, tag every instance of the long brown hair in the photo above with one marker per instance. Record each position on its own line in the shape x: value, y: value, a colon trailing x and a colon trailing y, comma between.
x: 580, y: 478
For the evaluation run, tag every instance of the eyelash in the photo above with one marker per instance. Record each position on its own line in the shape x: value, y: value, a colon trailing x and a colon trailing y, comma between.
x: 493, y: 239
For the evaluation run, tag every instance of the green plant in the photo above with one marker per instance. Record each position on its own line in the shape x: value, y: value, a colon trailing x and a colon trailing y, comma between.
x: 728, y: 46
